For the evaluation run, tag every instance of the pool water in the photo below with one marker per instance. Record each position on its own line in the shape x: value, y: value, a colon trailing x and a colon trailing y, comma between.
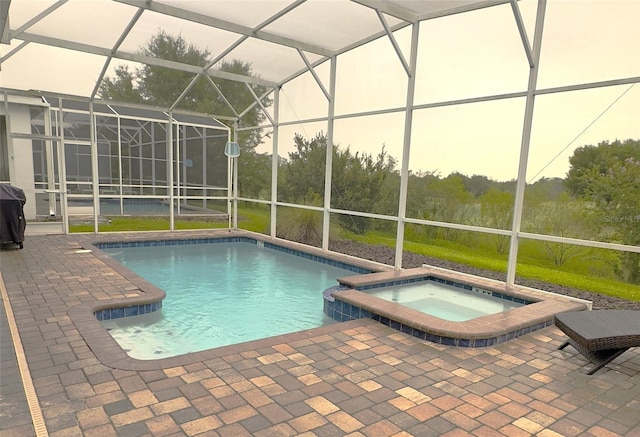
x: 220, y: 294
x: 444, y: 301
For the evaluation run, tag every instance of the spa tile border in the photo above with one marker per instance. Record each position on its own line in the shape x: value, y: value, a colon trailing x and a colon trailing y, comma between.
x: 462, y: 286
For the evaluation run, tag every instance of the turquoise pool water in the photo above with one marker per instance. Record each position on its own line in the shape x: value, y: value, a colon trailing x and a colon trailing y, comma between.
x: 220, y: 294
x: 444, y: 301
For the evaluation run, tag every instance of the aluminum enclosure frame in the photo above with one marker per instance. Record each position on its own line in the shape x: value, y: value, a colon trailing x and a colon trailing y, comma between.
x: 323, y: 54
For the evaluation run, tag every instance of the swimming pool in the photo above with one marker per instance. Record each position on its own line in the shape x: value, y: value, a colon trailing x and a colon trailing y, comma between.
x: 343, y: 302
x: 220, y: 293
x: 448, y: 302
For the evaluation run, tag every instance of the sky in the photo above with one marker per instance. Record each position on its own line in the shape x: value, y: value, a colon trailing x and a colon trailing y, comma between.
x: 461, y: 56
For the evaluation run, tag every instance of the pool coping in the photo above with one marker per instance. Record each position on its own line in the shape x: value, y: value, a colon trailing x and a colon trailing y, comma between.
x: 479, y: 332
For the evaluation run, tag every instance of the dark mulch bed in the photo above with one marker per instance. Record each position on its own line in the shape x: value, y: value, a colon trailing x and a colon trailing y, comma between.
x: 386, y: 255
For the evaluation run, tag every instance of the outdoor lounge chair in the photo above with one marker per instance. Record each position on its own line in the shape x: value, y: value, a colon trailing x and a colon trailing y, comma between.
x: 600, y: 335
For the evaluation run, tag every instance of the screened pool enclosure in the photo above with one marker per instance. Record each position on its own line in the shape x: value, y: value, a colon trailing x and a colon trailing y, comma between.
x: 453, y: 129
x: 138, y: 153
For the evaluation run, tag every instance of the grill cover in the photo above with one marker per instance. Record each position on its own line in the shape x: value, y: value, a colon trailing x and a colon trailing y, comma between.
x: 12, y: 221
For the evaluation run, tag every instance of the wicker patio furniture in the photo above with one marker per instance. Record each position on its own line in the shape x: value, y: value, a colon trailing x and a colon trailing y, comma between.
x: 600, y: 335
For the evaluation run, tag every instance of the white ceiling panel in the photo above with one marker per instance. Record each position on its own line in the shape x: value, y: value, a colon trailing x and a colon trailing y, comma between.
x: 332, y: 24
x: 96, y: 22
x: 203, y: 37
x: 266, y: 33
x: 270, y: 61
x: 250, y: 13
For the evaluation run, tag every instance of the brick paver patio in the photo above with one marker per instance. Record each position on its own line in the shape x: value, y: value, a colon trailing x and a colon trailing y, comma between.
x: 357, y: 378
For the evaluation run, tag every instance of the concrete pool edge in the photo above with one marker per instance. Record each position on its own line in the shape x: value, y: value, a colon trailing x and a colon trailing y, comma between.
x: 479, y: 332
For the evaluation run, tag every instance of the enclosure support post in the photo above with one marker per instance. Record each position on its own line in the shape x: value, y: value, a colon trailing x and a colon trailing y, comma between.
x: 94, y: 167
x: 120, y: 176
x: 204, y: 168
x: 176, y: 174
x: 326, y: 219
x: 234, y: 181
x: 524, y: 147
x: 408, y: 122
x: 140, y: 166
x: 62, y: 172
x: 229, y: 183
x: 274, y: 163
x: 51, y: 181
x: 153, y: 158
x: 170, y: 165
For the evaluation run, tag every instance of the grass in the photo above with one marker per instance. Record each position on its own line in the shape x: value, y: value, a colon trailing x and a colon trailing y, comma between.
x: 481, y: 259
x: 254, y: 219
x: 258, y: 220
x: 122, y: 224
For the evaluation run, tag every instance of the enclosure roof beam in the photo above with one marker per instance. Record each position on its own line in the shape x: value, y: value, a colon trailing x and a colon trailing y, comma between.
x: 255, y: 102
x: 100, y: 51
x: 222, y: 96
x: 34, y: 20
x: 314, y: 74
x: 4, y: 22
x: 394, y: 43
x: 243, y: 38
x: 114, y: 49
x: 9, y: 54
x: 523, y: 32
x: 460, y: 9
x: 184, y: 92
x: 259, y: 102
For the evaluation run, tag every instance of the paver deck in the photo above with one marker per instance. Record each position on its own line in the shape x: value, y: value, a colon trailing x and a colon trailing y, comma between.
x: 357, y: 378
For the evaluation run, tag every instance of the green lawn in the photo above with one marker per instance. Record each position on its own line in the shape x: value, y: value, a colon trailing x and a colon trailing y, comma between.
x: 481, y: 259
x: 122, y: 224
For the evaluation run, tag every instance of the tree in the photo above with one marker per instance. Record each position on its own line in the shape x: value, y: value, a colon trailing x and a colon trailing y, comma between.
x: 496, y: 211
x: 563, y: 217
x: 448, y: 201
x: 160, y: 86
x: 358, y: 180
x: 589, y: 163
x: 254, y: 175
x: 302, y: 175
x: 608, y: 175
x: 478, y: 185
x: 122, y: 88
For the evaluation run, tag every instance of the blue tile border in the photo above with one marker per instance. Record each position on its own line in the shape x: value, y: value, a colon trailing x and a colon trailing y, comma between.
x: 130, y: 311
x: 214, y: 240
x: 344, y: 312
x: 463, y: 286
